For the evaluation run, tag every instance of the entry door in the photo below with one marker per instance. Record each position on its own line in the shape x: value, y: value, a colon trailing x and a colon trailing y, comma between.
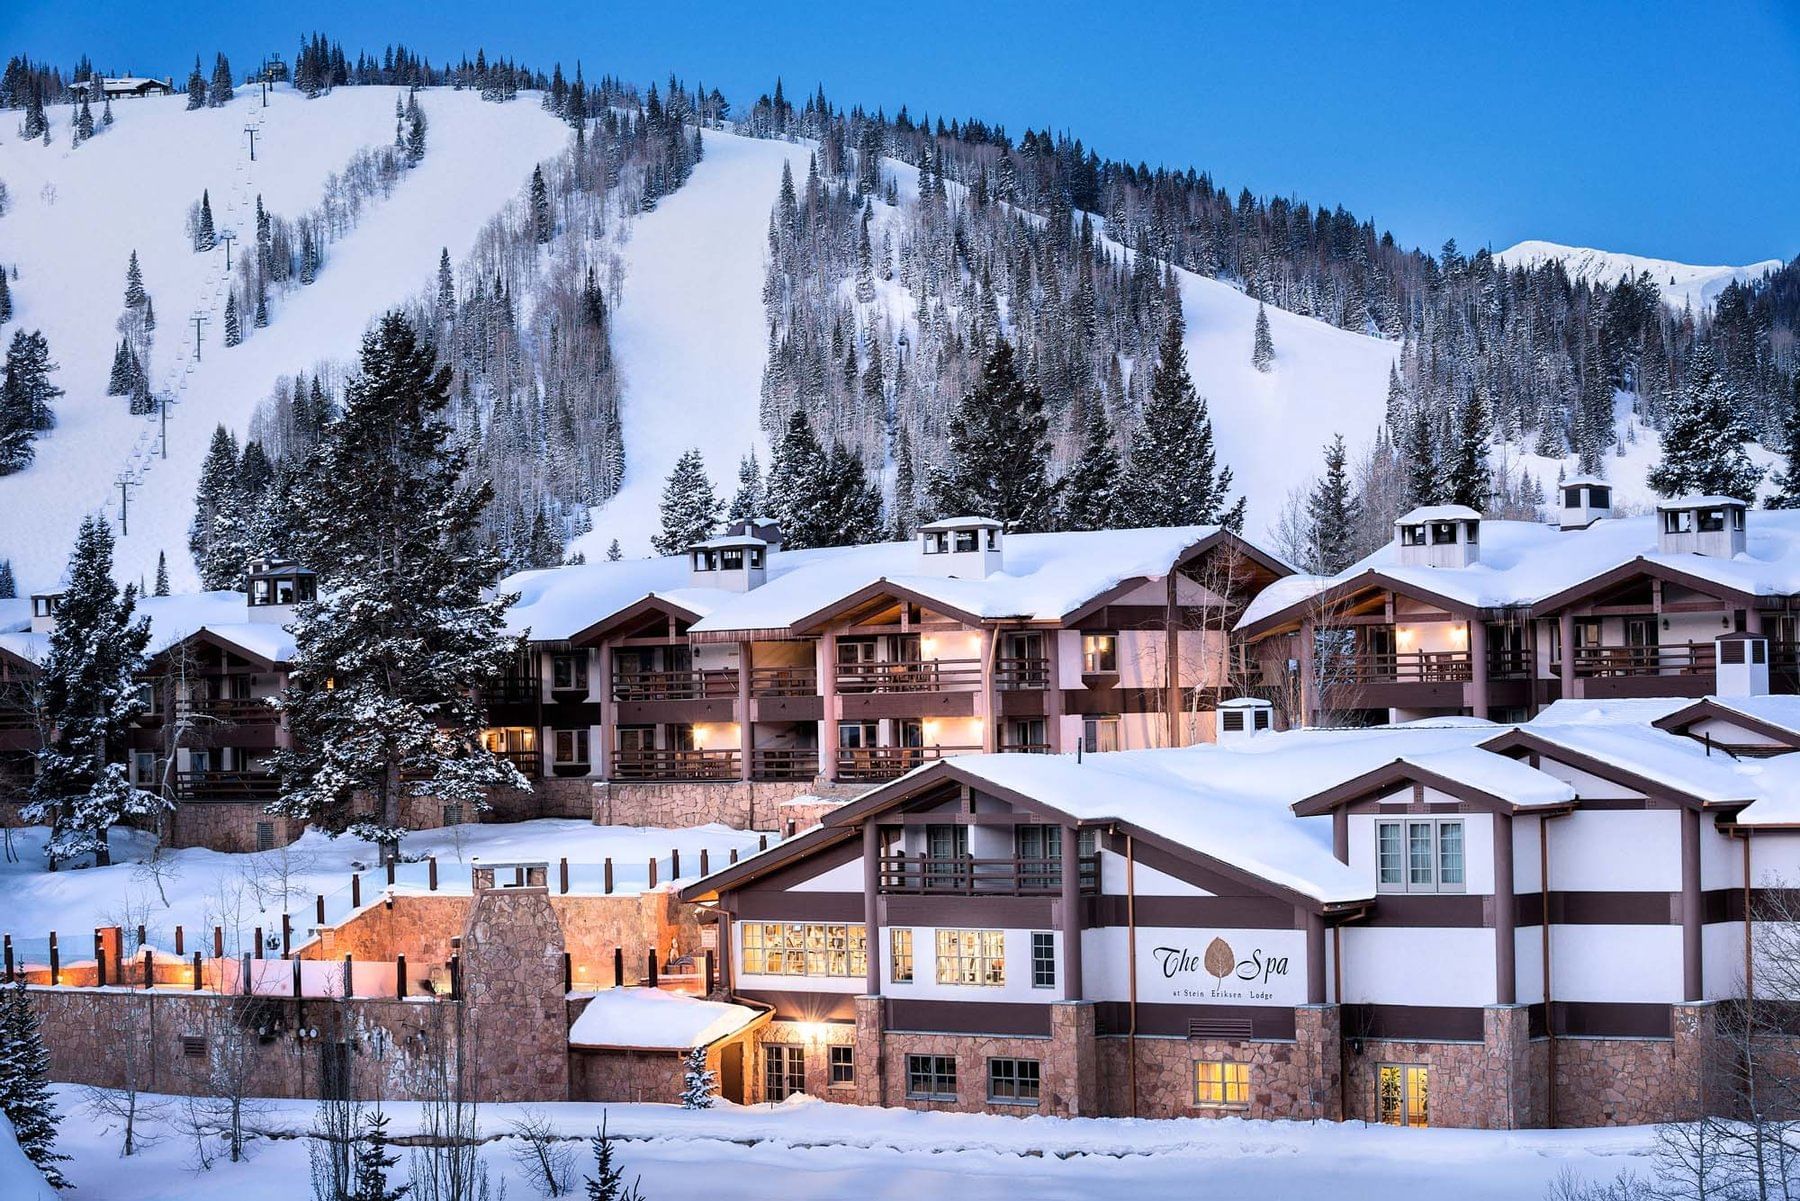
x: 1403, y: 1094
x: 731, y: 1073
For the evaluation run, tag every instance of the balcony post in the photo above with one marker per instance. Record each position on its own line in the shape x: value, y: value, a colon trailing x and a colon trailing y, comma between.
x: 1053, y: 709
x: 990, y: 716
x: 746, y: 734
x: 1565, y: 625
x: 871, y: 912
x: 828, y: 712
x: 1478, y: 667
x: 1309, y: 700
x: 1070, y: 913
x: 601, y: 737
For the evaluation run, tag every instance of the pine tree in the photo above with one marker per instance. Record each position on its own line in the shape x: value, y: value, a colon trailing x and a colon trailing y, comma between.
x: 162, y: 575
x: 390, y: 662
x: 748, y: 501
x: 1090, y: 489
x: 446, y: 287
x: 261, y: 319
x: 1703, y: 448
x: 850, y: 505
x: 134, y: 283
x: 234, y: 329
x: 149, y: 314
x: 998, y: 451
x: 608, y: 1181
x: 415, y: 131
x: 1333, y: 513
x: 6, y: 301
x: 1262, y: 355
x: 84, y: 121
x: 614, y: 552
x: 89, y: 692
x: 906, y: 488
x: 26, y: 394
x: 204, y: 238
x: 119, y: 379
x: 1470, y: 480
x: 543, y: 223
x: 216, y: 534
x: 9, y: 588
x: 797, y: 486
x: 374, y: 1160
x: 196, y: 87
x: 697, y: 1081
x: 219, y: 92
x: 1423, y: 485
x: 25, y: 1098
x: 1787, y: 480
x: 1172, y: 476
x: 690, y: 508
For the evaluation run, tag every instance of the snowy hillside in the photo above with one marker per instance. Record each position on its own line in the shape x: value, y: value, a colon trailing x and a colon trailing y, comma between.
x: 1683, y: 284
x: 78, y: 213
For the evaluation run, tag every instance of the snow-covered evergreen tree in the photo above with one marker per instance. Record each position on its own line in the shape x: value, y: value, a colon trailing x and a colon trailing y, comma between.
x: 446, y: 287
x: 25, y: 1098
x: 1703, y: 447
x: 216, y: 534
x: 797, y: 485
x: 161, y: 588
x: 1787, y: 480
x: 374, y: 1160
x: 9, y: 588
x: 614, y: 552
x: 134, y: 283
x: 698, y: 1082
x: 390, y: 661
x: 234, y: 328
x: 219, y: 91
x: 608, y: 1181
x: 1333, y: 513
x: 998, y: 451
x: 88, y: 689
x: 1090, y: 489
x: 1262, y: 354
x: 543, y: 221
x: 204, y: 236
x: 149, y: 314
x: 1424, y: 486
x: 196, y: 87
x: 415, y: 131
x: 690, y: 508
x: 748, y: 501
x: 905, y: 511
x: 1173, y: 476
x: 851, y: 503
x: 6, y: 301
x: 1470, y: 481
x: 27, y: 391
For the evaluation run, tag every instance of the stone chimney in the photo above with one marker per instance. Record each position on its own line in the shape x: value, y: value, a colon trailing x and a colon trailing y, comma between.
x: 512, y: 983
x: 1585, y: 500
x: 1439, y: 536
x: 1701, y: 525
x: 968, y: 548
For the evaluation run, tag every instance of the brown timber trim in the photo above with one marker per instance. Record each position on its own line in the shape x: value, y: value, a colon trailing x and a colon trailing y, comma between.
x: 1235, y: 913
x: 983, y: 912
x: 1706, y: 709
x: 1640, y: 566
x: 968, y: 1017
x: 759, y: 905
x: 1608, y: 1019
x: 1414, y: 1023
x: 1162, y: 1020
x: 804, y: 1006
x: 1522, y: 740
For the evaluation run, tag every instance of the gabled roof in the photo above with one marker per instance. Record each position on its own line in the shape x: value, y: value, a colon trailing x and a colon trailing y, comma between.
x: 1481, y: 778
x: 1774, y: 717
x: 1638, y: 757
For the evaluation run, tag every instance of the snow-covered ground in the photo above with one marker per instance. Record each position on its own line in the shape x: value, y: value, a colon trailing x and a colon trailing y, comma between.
x: 201, y: 888
x: 78, y: 213
x: 1683, y: 284
x: 19, y: 1180
x: 803, y: 1149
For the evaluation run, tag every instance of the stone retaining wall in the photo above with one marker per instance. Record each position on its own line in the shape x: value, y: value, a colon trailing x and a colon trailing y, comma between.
x: 740, y: 804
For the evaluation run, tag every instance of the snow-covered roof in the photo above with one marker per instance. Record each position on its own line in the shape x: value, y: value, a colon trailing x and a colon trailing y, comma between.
x: 1524, y: 562
x: 963, y: 523
x: 1577, y: 480
x: 1671, y: 760
x: 1782, y: 712
x: 15, y: 614
x: 1246, y: 702
x: 1509, y: 780
x: 651, y: 1019
x: 173, y: 618
x: 729, y: 540
x: 1437, y: 513
x: 1699, y: 502
x: 1044, y: 577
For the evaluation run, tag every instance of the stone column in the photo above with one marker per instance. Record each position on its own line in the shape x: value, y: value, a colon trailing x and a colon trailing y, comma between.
x: 871, y: 1066
x: 828, y: 711
x: 516, y: 1016
x: 1070, y: 912
x: 1509, y: 1095
x: 746, y: 736
x: 1478, y: 668
x: 1694, y: 1027
x: 1072, y: 1077
x: 1319, y: 1063
x: 609, y: 714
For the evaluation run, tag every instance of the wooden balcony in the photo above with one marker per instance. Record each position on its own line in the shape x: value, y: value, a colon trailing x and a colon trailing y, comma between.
x: 784, y: 763
x: 783, y: 681
x: 1674, y: 659
x: 236, y: 711
x: 513, y: 690
x: 966, y: 877
x: 676, y: 765
x: 1016, y: 675
x: 529, y: 763
x: 888, y: 762
x: 695, y: 685
x: 1402, y: 667
x: 226, y: 786
x: 1025, y: 748
x: 932, y: 675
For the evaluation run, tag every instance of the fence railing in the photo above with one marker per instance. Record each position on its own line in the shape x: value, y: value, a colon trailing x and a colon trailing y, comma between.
x: 784, y: 764
x: 970, y: 877
x: 716, y: 684
x: 784, y: 681
x: 227, y: 785
x: 930, y: 675
x: 887, y: 762
x: 1683, y: 658
x: 1017, y: 675
x: 711, y: 764
x: 240, y: 711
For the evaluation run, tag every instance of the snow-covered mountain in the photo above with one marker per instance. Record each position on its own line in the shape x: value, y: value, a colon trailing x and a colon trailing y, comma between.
x: 1683, y: 284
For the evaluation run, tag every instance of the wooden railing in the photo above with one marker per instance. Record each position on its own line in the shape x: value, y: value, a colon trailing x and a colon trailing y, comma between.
x: 982, y: 877
x: 529, y: 763
x: 784, y: 763
x: 784, y: 681
x: 226, y: 785
x: 1401, y: 667
x: 513, y: 690
x: 1511, y: 664
x: 931, y: 675
x: 676, y: 765
x: 694, y: 685
x: 1025, y: 748
x: 1683, y: 659
x: 239, y: 711
x: 1014, y: 675
x: 887, y: 762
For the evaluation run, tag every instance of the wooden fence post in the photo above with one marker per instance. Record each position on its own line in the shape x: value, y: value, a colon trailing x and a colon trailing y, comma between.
x: 562, y: 869
x: 197, y: 972
x: 609, y: 880
x: 400, y: 976
x: 651, y: 978
x: 99, y: 960
x: 431, y: 872
x: 618, y: 967
x: 180, y: 942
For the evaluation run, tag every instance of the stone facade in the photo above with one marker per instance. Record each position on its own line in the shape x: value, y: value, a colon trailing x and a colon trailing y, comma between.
x: 234, y: 827
x: 512, y: 981
x: 740, y: 804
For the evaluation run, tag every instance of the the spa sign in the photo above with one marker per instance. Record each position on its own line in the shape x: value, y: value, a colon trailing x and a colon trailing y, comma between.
x: 1244, y: 968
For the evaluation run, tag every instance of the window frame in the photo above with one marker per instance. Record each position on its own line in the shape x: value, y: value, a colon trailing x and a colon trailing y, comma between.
x: 840, y: 1065
x: 578, y: 742
x: 1406, y: 1105
x: 926, y: 1074
x: 1221, y: 1084
x: 1100, y: 652
x: 1406, y: 826
x: 815, y: 950
x: 784, y: 1070
x: 897, y: 935
x: 1015, y: 1080
x: 1043, y: 959
x: 981, y: 964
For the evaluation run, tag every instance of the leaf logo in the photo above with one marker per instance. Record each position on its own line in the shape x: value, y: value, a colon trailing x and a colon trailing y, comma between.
x: 1220, y: 960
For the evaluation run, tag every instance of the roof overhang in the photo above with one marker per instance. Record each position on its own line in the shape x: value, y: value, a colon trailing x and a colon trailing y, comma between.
x: 1320, y: 602
x: 649, y: 604
x: 1640, y: 566
x: 1519, y: 740
x: 1706, y: 708
x: 1388, y: 776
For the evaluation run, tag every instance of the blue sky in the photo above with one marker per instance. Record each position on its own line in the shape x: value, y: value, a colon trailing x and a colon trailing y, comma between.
x: 1657, y: 128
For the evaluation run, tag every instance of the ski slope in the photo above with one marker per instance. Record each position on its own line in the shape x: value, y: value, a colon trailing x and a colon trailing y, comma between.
x: 690, y: 336
x: 1683, y: 284
x: 78, y: 213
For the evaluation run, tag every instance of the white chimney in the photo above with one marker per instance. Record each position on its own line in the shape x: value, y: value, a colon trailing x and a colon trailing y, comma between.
x: 1439, y: 536
x: 1585, y: 500
x: 273, y: 587
x: 735, y: 562
x: 43, y: 611
x: 1242, y: 719
x: 1743, y: 665
x: 969, y: 548
x: 1701, y: 525
x: 766, y: 528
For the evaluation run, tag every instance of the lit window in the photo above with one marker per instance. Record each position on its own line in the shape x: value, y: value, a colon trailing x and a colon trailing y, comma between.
x: 1099, y: 652
x: 784, y: 1071
x: 1420, y: 855
x: 1403, y: 1094
x: 900, y: 949
x: 975, y: 957
x: 1222, y: 1083
x: 804, y: 949
x: 1014, y: 1081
